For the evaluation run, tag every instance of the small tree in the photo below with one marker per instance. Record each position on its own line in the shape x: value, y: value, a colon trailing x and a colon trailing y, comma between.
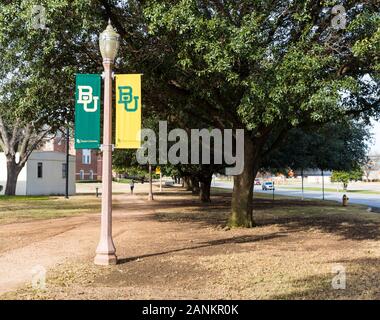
x: 346, y: 176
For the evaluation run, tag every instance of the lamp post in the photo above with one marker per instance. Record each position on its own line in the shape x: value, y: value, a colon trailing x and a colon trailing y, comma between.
x: 67, y: 161
x: 150, y: 195
x: 105, y: 252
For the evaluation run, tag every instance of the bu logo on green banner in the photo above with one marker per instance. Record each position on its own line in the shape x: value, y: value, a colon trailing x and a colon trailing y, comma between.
x: 87, y: 111
x: 87, y: 98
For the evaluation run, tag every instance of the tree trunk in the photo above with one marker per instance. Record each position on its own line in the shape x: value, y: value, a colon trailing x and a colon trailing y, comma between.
x: 194, y: 185
x: 13, y: 171
x: 187, y: 183
x: 205, y: 186
x: 242, y: 194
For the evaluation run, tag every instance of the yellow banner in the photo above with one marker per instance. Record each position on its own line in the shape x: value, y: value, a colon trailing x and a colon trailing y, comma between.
x: 128, y: 111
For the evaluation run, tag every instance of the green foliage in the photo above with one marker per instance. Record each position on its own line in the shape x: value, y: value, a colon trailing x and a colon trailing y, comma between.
x: 258, y: 65
x: 37, y: 82
x: 346, y: 176
x: 334, y: 146
x: 233, y: 64
x: 122, y: 160
x: 136, y: 172
x: 265, y: 66
x: 368, y: 47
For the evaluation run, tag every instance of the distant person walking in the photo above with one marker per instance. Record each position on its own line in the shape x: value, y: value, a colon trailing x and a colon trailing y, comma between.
x: 132, y: 185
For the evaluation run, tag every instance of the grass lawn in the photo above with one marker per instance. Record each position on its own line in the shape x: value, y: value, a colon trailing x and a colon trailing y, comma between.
x: 124, y: 180
x: 26, y: 208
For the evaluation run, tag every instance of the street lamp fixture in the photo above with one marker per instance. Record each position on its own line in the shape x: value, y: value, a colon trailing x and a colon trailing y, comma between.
x: 109, y: 41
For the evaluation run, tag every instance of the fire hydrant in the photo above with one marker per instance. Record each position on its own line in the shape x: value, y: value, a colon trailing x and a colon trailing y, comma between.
x: 345, y: 200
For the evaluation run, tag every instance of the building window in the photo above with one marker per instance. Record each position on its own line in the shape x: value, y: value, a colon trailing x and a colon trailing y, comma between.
x: 81, y: 175
x: 63, y: 170
x: 91, y: 177
x: 86, y: 156
x: 39, y: 170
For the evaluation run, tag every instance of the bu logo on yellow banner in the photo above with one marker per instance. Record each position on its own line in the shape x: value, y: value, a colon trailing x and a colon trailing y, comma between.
x: 126, y: 97
x: 128, y: 111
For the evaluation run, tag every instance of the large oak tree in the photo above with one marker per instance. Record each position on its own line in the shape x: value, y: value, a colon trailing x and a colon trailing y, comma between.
x: 267, y: 67
x: 264, y: 66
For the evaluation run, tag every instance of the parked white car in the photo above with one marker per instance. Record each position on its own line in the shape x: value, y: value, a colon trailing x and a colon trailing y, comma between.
x: 268, y: 185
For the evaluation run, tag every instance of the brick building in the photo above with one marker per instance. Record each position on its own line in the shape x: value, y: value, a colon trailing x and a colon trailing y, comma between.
x: 88, y: 162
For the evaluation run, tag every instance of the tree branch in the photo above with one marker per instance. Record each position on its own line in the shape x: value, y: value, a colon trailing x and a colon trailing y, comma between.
x: 4, y: 142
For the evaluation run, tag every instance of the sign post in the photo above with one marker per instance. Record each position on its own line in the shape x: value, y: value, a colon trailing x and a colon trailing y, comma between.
x: 67, y: 162
x: 150, y: 195
x: 158, y: 171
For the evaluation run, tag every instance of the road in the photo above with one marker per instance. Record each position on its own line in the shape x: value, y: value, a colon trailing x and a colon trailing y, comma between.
x: 370, y: 200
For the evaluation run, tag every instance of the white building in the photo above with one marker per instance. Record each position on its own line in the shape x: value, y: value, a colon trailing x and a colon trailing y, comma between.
x: 43, y: 174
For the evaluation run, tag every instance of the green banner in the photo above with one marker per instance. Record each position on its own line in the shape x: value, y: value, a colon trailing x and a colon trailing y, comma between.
x: 87, y: 111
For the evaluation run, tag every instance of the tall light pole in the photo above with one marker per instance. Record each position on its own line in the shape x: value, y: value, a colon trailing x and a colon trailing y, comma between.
x: 150, y: 195
x: 105, y: 253
x: 67, y: 161
x: 323, y: 186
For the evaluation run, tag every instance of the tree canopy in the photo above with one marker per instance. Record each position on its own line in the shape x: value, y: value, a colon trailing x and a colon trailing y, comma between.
x: 263, y: 66
x: 333, y: 146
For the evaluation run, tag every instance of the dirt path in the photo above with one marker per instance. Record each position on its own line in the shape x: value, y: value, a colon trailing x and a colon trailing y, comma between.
x: 46, y: 243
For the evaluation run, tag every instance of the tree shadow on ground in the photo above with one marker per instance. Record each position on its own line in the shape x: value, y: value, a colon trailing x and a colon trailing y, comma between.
x: 211, y: 243
x: 354, y: 229
x: 362, y: 282
x: 291, y: 214
x: 327, y: 217
x: 176, y: 200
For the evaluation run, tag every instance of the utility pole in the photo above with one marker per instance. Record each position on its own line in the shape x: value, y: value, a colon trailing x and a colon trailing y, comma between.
x: 67, y: 160
x: 302, y: 184
x: 150, y: 196
x: 323, y: 186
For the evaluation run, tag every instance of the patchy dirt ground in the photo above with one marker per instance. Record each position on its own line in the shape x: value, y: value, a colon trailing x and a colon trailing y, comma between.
x: 175, y: 248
